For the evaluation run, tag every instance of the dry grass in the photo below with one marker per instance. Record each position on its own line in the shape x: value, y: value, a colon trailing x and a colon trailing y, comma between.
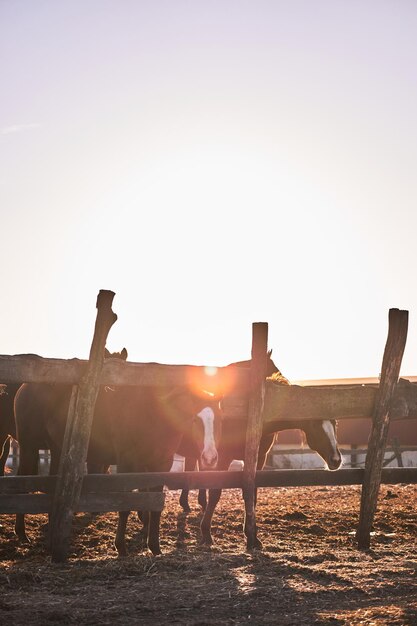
x: 309, y: 571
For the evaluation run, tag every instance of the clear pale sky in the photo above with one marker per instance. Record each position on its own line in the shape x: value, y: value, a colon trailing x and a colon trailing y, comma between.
x: 214, y: 164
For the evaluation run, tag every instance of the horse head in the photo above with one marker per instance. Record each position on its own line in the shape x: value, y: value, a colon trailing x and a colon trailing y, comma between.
x: 321, y: 437
x: 202, y: 423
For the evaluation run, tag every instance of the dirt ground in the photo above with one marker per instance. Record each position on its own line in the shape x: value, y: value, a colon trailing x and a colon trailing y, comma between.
x: 309, y: 571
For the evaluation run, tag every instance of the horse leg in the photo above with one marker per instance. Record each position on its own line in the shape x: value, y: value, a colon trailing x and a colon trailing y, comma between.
x: 144, y: 517
x: 4, y: 455
x: 153, y: 531
x: 184, y: 504
x: 120, y: 539
x: 202, y: 499
x: 189, y: 466
x: 213, y: 498
x: 205, y: 526
x: 28, y: 465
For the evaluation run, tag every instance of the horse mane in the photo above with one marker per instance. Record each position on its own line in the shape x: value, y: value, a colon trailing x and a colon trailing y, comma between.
x: 278, y: 378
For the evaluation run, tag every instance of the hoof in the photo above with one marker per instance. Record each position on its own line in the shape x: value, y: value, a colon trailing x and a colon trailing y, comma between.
x: 121, y: 551
x: 257, y: 545
x: 207, y: 540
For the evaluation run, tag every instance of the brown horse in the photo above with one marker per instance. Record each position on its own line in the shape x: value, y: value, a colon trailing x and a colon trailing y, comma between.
x: 150, y: 425
x: 137, y: 428
x: 187, y: 450
x: 41, y: 411
x: 320, y: 436
x: 7, y: 421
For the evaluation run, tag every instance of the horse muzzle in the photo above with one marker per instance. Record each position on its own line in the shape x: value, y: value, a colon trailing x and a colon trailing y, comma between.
x: 335, y: 462
x: 208, y: 460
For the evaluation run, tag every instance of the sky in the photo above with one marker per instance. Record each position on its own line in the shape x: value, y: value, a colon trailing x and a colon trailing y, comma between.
x: 214, y: 164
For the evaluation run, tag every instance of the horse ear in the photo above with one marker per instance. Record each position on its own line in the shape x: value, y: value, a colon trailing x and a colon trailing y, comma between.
x: 123, y: 354
x: 107, y: 354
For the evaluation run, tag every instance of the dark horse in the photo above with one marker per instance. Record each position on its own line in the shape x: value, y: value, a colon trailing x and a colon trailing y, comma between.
x: 150, y: 425
x: 136, y: 428
x: 7, y: 422
x: 186, y: 446
x: 320, y: 435
x: 41, y: 411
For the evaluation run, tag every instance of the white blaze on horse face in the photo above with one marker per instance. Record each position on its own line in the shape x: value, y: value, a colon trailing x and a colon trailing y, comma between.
x: 335, y: 458
x: 209, y: 454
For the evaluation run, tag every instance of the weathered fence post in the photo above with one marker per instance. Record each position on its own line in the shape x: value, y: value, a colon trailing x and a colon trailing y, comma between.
x: 391, y: 364
x: 77, y: 434
x: 254, y: 427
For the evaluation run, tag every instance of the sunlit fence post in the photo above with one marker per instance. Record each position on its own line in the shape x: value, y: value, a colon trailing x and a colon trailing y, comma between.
x: 254, y: 427
x: 77, y: 435
x: 391, y: 364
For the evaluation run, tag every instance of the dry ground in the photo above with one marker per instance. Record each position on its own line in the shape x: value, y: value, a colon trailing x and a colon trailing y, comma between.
x: 309, y: 572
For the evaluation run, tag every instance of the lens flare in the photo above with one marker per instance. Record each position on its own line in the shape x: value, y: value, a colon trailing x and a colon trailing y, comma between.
x: 215, y: 380
x: 210, y: 371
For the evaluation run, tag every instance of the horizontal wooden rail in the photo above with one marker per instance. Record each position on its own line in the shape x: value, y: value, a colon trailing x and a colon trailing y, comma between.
x: 282, y: 403
x: 103, y: 502
x: 116, y: 483
x: 343, y: 451
x: 32, y: 368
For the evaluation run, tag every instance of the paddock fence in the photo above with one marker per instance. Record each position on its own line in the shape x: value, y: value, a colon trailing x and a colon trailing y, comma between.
x: 73, y: 491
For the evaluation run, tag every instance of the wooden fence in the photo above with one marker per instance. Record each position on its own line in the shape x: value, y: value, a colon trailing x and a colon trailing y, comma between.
x: 355, y: 454
x: 71, y: 490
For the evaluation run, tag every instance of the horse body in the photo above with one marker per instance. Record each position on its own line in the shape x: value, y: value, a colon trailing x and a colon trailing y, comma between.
x: 137, y: 428
x: 150, y: 425
x: 7, y: 421
x: 320, y: 436
x: 187, y: 449
x: 41, y: 415
x: 41, y: 411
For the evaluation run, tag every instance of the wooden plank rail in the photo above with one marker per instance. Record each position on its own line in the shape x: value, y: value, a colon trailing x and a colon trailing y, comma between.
x: 102, y: 492
x: 294, y: 402
x: 289, y: 403
x: 32, y: 368
x: 103, y: 502
x: 277, y: 450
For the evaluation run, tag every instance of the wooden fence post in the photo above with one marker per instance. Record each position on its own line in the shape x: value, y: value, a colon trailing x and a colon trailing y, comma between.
x: 254, y: 427
x: 77, y: 434
x: 391, y: 364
